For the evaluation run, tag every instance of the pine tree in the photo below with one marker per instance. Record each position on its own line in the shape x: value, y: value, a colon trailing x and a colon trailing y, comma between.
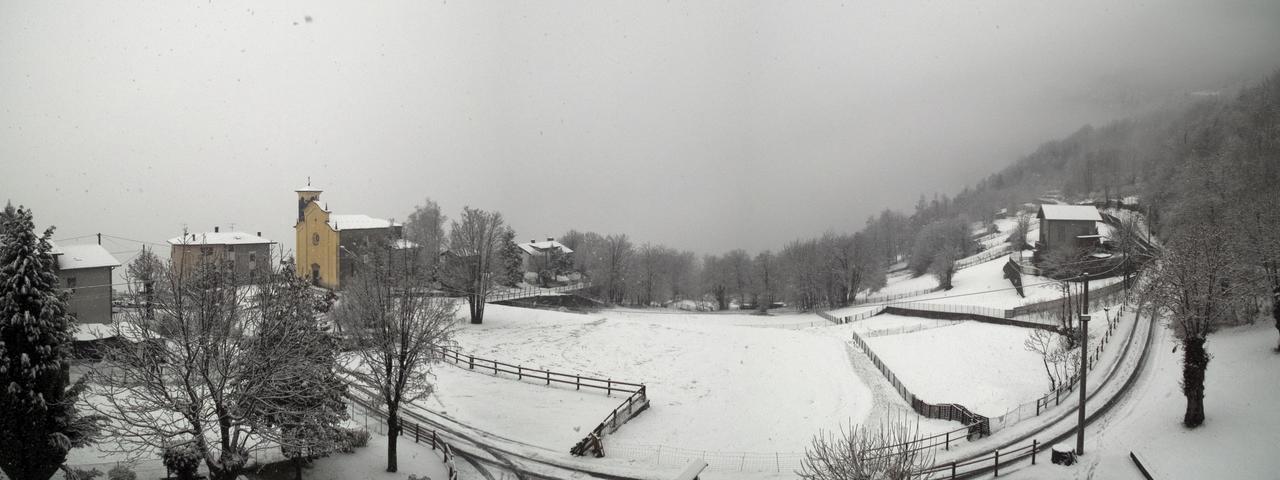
x: 305, y: 402
x: 38, y: 419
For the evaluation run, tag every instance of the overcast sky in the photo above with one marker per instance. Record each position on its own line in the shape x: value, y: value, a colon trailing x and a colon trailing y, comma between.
x: 705, y: 126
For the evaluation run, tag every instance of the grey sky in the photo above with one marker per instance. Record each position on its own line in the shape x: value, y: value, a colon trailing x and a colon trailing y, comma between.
x: 702, y: 125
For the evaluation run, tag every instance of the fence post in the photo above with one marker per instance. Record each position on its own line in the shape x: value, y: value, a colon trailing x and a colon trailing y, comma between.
x: 997, y: 463
x: 953, y: 470
x: 948, y: 441
x: 415, y: 432
x: 1034, y: 445
x: 471, y: 362
x: 495, y: 366
x: 577, y: 382
x: 776, y: 463
x: 519, y: 372
x: 433, y: 440
x: 609, y: 388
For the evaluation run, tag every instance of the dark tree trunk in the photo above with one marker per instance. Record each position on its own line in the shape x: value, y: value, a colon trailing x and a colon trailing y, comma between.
x: 1194, y: 363
x: 1275, y: 307
x: 393, y: 431
x: 297, y: 468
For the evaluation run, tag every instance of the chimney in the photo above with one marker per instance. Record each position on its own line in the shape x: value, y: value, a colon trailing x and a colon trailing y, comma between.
x: 551, y: 239
x: 215, y: 229
x: 533, y: 241
x: 259, y: 234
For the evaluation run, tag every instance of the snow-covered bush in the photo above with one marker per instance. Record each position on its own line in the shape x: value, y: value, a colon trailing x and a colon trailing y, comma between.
x: 121, y: 472
x: 350, y: 439
x: 182, y: 459
x: 78, y: 474
x: 415, y: 477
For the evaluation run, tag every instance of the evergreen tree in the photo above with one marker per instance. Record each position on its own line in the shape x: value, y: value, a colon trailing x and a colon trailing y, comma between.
x: 38, y: 419
x: 305, y: 402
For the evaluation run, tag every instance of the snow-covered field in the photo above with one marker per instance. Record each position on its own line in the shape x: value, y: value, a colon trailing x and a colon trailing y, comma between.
x: 715, y: 381
x: 978, y: 365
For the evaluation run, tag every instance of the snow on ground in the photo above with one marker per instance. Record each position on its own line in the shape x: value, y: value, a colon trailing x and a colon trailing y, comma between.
x: 981, y: 366
x: 713, y: 384
x: 885, y: 324
x: 984, y: 285
x: 554, y: 416
x: 1239, y: 436
x: 367, y: 463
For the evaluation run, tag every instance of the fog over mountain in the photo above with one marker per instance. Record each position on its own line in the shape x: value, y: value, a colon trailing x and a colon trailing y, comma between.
x: 704, y: 126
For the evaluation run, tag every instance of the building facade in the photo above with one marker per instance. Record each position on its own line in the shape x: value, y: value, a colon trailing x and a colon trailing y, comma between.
x: 85, y: 270
x: 329, y: 244
x: 249, y: 255
x: 1067, y: 226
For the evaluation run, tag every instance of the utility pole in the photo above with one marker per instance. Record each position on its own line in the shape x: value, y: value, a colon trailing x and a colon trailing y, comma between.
x: 1084, y: 363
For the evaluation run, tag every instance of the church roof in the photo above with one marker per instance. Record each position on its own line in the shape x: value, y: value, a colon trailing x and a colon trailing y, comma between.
x: 341, y: 222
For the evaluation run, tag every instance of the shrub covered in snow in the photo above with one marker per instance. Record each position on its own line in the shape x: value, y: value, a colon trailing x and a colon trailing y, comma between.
x: 349, y: 439
x: 182, y: 459
x: 121, y: 472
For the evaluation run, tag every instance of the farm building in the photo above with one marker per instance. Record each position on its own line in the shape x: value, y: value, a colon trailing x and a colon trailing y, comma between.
x: 1067, y: 226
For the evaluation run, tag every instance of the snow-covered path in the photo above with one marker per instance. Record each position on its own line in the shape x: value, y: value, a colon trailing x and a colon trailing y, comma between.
x: 1240, y: 434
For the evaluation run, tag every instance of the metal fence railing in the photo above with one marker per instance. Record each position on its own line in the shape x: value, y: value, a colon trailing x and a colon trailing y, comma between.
x: 516, y: 294
x: 987, y: 255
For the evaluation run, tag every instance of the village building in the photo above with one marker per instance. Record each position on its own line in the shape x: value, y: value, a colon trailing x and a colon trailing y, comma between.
x: 85, y: 270
x: 1067, y: 226
x: 535, y: 255
x: 329, y: 244
x: 249, y: 255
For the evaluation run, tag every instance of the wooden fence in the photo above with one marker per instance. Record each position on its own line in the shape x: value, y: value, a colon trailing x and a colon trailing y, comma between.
x: 974, y: 425
x: 416, y: 430
x: 522, y: 373
x: 851, y: 318
x: 637, y: 401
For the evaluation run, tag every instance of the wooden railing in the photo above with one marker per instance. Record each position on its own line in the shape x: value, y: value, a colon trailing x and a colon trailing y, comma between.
x: 522, y: 373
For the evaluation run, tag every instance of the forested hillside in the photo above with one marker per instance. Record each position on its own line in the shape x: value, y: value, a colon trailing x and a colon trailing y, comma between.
x: 1211, y: 160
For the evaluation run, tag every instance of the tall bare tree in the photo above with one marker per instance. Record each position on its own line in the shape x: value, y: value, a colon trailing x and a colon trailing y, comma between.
x: 197, y: 373
x: 475, y: 261
x: 425, y: 227
x: 397, y: 329
x: 1199, y: 282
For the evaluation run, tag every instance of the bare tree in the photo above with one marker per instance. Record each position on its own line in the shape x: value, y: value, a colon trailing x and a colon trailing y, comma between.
x: 1198, y: 282
x: 196, y: 374
x: 425, y: 227
x: 397, y: 329
x: 856, y: 452
x: 476, y: 244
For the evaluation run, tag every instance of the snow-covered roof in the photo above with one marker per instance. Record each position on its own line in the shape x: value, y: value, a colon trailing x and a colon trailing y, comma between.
x: 401, y: 244
x: 537, y: 247
x: 99, y: 331
x: 219, y: 238
x: 1070, y: 212
x: 358, y: 222
x: 85, y: 256
x: 308, y: 188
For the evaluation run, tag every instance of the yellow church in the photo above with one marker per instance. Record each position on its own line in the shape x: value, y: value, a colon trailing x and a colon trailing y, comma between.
x: 328, y: 243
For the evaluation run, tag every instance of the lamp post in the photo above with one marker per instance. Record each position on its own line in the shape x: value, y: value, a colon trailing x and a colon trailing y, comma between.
x: 1084, y: 364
